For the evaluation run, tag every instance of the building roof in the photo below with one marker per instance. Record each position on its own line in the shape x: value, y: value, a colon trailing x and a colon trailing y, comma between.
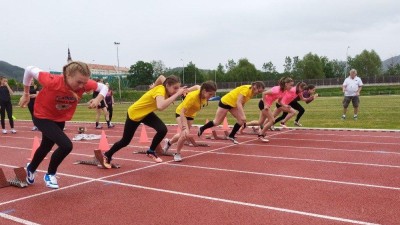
x: 107, y: 67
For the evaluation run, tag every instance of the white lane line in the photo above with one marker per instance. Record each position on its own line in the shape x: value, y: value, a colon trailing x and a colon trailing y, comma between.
x: 16, y: 219
x: 292, y: 177
x: 283, y: 210
x: 308, y: 160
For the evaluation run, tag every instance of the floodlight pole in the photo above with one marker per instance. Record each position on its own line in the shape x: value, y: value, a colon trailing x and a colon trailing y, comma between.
x: 119, y: 78
x: 347, y: 56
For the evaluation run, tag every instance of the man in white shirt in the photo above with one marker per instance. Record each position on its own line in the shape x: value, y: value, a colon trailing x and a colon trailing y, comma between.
x: 351, y: 88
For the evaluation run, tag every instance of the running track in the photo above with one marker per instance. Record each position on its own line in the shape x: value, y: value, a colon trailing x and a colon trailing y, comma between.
x: 300, y: 177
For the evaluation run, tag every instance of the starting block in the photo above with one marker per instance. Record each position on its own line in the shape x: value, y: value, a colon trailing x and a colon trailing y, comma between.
x: 214, y: 136
x: 254, y: 130
x: 95, y: 162
x: 159, y: 151
x: 18, y: 181
x: 192, y: 142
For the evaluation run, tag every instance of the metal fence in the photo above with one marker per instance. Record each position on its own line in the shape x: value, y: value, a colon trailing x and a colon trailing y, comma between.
x: 316, y: 82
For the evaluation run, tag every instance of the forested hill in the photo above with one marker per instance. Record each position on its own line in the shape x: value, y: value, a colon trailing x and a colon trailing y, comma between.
x: 11, y: 71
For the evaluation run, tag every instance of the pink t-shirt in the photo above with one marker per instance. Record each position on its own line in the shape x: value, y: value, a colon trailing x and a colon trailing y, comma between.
x: 276, y: 94
x: 289, y: 96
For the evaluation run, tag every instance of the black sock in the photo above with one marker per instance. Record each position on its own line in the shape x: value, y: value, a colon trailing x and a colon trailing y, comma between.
x: 235, y: 129
x: 206, y: 126
x: 97, y: 124
x: 108, y: 123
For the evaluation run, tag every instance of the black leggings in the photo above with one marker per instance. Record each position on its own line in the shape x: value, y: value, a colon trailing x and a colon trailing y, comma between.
x: 150, y: 120
x: 295, y: 105
x: 52, y: 133
x: 31, y: 105
x: 6, y: 106
x: 110, y: 110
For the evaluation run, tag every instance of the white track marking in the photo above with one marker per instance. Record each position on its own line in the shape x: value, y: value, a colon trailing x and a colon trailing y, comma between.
x: 16, y: 219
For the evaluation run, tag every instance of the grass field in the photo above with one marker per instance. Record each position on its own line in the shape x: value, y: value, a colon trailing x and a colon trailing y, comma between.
x: 376, y: 112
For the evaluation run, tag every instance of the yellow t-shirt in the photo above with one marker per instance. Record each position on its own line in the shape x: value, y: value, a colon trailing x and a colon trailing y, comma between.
x: 146, y: 104
x: 191, y: 103
x: 231, y: 98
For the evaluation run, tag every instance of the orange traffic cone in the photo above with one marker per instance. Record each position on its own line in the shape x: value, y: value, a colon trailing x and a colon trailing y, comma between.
x: 103, y: 144
x: 35, y: 146
x: 207, y: 131
x: 143, y: 135
x: 225, y: 124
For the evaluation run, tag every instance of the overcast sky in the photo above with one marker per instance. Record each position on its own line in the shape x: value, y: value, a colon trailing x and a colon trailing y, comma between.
x: 206, y: 32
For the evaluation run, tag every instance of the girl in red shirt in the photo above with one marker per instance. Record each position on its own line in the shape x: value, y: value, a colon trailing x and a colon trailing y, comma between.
x: 55, y: 104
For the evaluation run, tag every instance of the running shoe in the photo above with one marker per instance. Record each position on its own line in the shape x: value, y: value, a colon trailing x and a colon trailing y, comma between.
x: 177, y: 157
x: 283, y: 125
x: 343, y: 117
x: 272, y: 128
x: 104, y: 161
x: 34, y: 128
x: 297, y: 124
x: 199, y: 132
x: 4, y: 131
x: 111, y: 125
x: 233, y: 139
x: 263, y: 138
x: 355, y: 117
x: 51, y: 181
x: 152, y: 155
x: 30, y: 176
x: 166, y: 146
x: 99, y: 127
x: 13, y: 131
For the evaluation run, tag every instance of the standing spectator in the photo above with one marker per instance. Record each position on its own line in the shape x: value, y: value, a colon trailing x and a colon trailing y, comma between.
x: 33, y: 91
x: 352, y: 86
x: 110, y: 102
x: 5, y: 105
x: 101, y: 108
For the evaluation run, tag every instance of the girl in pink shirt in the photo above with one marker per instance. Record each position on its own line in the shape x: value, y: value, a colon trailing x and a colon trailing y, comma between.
x: 287, y: 98
x: 269, y: 97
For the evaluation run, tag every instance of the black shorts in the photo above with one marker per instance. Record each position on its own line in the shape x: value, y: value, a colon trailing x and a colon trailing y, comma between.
x: 188, y: 118
x: 222, y: 105
x: 102, y: 105
x: 261, y: 105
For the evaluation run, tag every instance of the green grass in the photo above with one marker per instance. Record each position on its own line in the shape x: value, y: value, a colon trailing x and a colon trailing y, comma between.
x: 376, y: 112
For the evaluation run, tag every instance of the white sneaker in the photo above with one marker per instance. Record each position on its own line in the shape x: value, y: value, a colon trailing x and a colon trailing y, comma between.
x: 51, y: 181
x: 34, y: 128
x: 263, y: 138
x: 233, y: 140
x: 99, y: 127
x: 297, y: 124
x: 166, y: 146
x: 177, y: 157
x: 283, y: 125
x: 4, y: 131
x: 13, y: 131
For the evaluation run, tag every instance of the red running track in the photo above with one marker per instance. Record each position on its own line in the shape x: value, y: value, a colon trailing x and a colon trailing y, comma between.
x: 300, y: 177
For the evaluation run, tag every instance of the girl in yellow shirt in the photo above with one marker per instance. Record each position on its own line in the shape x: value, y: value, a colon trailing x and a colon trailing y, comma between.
x: 233, y: 102
x: 186, y: 112
x: 162, y: 93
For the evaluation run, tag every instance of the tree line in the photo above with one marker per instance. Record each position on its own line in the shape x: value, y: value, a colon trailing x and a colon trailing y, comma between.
x: 310, y: 66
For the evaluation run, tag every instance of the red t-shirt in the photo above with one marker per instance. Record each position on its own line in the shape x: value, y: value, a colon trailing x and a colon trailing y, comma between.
x: 56, y: 100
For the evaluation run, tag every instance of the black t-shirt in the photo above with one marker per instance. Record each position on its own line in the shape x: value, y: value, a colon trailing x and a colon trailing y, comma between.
x: 4, y: 94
